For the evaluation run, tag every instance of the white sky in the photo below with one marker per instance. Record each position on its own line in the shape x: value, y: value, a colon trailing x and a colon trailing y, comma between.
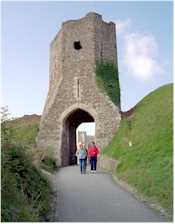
x: 89, y: 127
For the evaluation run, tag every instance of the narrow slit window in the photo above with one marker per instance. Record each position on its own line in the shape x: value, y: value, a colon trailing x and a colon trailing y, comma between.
x: 77, y: 45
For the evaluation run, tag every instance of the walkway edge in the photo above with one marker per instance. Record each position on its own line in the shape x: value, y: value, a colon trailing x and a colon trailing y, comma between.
x: 109, y: 165
x: 154, y: 205
x: 53, y: 196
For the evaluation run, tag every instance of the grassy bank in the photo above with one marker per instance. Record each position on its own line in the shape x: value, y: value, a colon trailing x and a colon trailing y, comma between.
x: 25, y: 191
x: 144, y: 147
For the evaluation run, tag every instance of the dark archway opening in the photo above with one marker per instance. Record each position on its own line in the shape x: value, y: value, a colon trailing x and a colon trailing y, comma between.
x: 69, y: 135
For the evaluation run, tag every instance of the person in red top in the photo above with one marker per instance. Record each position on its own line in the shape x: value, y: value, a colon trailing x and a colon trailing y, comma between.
x: 93, y: 152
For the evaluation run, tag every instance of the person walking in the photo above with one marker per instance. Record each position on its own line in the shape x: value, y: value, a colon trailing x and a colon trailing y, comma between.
x: 86, y: 154
x: 76, y: 154
x: 93, y: 152
x: 82, y: 156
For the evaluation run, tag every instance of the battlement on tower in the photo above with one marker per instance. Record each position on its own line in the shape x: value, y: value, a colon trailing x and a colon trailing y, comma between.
x: 96, y: 29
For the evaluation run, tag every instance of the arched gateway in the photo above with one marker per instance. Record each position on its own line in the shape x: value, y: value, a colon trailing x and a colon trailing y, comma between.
x: 80, y: 50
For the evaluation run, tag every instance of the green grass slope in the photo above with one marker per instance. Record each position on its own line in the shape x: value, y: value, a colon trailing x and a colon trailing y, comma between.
x: 24, y: 129
x: 148, y: 163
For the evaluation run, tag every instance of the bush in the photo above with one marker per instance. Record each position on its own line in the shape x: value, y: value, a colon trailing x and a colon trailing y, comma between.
x: 25, y: 192
x: 48, y: 164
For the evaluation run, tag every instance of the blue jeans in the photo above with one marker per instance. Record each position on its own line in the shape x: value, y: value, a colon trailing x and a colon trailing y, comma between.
x: 93, y: 161
x: 82, y: 165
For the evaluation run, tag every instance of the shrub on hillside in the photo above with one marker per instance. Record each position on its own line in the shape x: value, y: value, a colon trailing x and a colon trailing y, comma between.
x: 25, y: 192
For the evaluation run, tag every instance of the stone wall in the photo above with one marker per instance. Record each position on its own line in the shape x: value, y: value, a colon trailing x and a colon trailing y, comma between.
x: 72, y: 85
x: 82, y: 137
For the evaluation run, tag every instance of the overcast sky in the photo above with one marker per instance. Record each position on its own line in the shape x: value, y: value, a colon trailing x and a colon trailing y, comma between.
x: 144, y: 41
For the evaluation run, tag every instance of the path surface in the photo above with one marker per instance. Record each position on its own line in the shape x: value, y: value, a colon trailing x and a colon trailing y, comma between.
x: 95, y: 197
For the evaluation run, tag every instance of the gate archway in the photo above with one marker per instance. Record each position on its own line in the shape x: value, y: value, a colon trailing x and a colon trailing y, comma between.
x: 71, y: 122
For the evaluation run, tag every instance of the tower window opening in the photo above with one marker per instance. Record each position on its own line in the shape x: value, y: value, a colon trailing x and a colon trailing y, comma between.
x: 77, y: 45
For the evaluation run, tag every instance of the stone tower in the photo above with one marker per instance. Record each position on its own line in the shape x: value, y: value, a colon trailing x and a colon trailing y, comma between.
x: 73, y: 95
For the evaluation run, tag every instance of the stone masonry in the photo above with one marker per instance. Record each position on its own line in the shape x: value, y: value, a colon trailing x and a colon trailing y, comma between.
x: 73, y: 95
x: 82, y: 137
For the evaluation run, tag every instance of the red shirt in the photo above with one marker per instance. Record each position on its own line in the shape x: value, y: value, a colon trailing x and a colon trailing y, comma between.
x: 93, y: 151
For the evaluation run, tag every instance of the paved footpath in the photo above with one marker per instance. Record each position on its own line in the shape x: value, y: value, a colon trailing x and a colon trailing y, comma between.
x: 97, y: 198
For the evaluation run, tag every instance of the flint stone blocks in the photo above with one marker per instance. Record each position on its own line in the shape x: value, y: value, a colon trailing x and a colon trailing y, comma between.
x: 72, y: 86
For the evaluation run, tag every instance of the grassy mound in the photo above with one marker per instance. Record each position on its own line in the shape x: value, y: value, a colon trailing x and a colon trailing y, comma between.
x: 24, y: 130
x: 144, y: 147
